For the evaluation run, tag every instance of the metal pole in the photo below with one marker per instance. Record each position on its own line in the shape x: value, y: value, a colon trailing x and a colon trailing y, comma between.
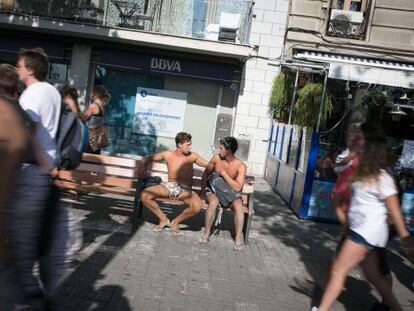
x: 322, y: 101
x: 295, y: 88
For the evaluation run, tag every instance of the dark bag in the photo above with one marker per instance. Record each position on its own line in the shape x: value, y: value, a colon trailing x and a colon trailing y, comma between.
x: 222, y: 190
x: 71, y: 140
x: 150, y: 181
x: 99, y: 137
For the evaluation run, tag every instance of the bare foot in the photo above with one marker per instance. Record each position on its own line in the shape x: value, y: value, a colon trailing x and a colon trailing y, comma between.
x: 175, y: 228
x: 163, y: 223
x: 205, y: 238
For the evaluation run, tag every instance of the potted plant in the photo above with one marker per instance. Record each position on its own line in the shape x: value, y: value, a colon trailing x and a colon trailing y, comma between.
x: 281, y: 96
x: 307, y: 105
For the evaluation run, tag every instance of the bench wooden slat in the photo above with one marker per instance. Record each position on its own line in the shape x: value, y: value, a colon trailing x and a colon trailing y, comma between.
x: 81, y: 176
x: 102, y: 159
x: 94, y: 188
x: 108, y: 170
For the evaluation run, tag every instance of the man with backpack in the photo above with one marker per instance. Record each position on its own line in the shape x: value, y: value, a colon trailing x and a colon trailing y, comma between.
x: 222, y: 183
x: 31, y: 203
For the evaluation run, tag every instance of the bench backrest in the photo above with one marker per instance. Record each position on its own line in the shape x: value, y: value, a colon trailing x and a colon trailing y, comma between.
x: 100, y: 173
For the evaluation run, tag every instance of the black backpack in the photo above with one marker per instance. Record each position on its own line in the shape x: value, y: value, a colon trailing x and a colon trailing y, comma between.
x: 71, y: 140
x: 222, y: 190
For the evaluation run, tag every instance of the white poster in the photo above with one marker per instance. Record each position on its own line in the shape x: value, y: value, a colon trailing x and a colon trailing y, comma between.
x: 159, y: 112
x: 407, y: 157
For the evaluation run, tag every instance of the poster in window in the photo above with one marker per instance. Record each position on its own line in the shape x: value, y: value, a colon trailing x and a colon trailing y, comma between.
x: 407, y: 157
x: 320, y: 201
x: 159, y: 112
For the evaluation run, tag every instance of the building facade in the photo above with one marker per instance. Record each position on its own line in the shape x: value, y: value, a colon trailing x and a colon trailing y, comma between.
x: 187, y: 65
x: 362, y: 53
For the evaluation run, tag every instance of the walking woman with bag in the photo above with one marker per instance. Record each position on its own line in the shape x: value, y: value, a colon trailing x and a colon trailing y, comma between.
x: 95, y: 117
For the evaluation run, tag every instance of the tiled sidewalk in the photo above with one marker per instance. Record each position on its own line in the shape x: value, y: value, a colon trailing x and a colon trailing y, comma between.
x: 279, y: 269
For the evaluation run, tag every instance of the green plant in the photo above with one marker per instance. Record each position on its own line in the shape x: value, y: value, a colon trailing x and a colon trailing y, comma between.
x: 281, y: 95
x: 307, y: 105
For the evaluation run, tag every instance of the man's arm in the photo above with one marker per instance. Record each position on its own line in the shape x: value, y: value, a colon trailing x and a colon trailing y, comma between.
x: 238, y: 183
x: 200, y: 161
x: 161, y: 156
x: 207, y: 172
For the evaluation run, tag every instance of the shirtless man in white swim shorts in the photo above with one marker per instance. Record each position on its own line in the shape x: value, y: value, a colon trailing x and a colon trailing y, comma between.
x: 180, y: 175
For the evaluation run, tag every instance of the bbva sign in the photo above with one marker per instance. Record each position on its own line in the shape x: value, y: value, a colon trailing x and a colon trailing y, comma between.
x: 165, y: 64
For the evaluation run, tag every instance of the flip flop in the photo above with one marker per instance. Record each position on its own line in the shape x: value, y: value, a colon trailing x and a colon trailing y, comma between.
x: 204, y: 240
x: 159, y: 229
x: 238, y: 246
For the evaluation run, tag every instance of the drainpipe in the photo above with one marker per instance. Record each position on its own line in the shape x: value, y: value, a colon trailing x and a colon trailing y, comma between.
x: 295, y: 89
x: 322, y: 101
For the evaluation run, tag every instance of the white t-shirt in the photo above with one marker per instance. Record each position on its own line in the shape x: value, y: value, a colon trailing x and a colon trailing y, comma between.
x: 42, y: 103
x: 368, y: 212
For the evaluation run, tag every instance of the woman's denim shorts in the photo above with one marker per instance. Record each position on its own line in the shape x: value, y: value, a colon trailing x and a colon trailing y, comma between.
x: 359, y: 239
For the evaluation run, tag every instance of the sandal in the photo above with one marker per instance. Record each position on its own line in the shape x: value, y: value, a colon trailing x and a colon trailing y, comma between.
x: 204, y: 240
x: 238, y: 246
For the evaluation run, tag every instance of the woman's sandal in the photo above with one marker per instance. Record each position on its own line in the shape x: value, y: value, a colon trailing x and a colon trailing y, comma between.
x: 238, y: 246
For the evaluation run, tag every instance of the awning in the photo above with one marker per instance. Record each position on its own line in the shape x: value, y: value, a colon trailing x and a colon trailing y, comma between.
x: 360, y: 69
x: 12, y: 45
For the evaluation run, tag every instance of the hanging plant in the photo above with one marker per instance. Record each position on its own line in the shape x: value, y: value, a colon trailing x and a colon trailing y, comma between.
x: 307, y: 105
x: 281, y: 96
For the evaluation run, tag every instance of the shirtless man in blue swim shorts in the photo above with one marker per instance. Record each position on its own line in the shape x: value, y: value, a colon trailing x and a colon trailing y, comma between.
x: 180, y: 175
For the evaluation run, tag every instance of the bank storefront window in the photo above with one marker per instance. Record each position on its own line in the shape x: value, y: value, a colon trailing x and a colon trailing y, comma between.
x: 122, y: 85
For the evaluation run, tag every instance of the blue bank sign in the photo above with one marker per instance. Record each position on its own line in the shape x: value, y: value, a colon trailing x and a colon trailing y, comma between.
x: 168, y: 65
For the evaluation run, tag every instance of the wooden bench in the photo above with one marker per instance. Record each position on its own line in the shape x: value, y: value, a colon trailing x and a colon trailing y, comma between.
x: 115, y: 175
x: 160, y: 169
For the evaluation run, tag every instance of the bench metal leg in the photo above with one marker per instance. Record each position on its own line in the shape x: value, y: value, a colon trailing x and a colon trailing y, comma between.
x: 137, y: 213
x: 217, y: 224
x: 248, y: 220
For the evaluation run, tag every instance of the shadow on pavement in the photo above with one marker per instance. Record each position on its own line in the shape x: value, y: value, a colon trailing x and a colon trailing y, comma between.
x: 315, y: 244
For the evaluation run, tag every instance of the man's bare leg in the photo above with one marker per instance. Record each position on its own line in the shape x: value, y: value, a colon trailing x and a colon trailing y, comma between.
x: 193, y: 201
x: 209, y: 217
x: 148, y: 197
x: 237, y: 206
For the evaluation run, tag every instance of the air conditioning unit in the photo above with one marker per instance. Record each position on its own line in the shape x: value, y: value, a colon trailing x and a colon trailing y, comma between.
x: 344, y: 22
x: 229, y: 26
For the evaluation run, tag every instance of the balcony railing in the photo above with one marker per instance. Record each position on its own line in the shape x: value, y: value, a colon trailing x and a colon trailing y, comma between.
x: 345, y: 29
x: 347, y: 24
x: 227, y: 20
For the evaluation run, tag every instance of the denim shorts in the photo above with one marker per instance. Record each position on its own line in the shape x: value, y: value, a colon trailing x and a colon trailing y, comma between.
x: 381, y: 252
x: 359, y: 239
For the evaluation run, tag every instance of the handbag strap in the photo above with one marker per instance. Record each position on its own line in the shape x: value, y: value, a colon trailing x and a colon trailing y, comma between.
x: 101, y: 110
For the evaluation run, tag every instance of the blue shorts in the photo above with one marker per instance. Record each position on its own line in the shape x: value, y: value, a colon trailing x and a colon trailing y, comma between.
x: 359, y: 239
x: 381, y: 252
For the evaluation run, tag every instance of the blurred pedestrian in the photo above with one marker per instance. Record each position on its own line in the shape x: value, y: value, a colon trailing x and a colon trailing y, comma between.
x: 14, y: 145
x: 95, y: 118
x: 374, y: 193
x: 29, y: 206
